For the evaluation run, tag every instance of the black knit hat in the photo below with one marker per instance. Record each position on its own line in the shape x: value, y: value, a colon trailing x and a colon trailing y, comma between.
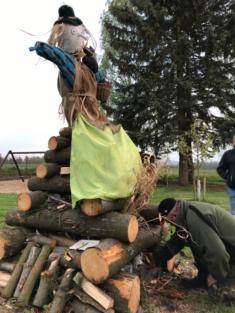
x: 166, y: 206
x: 66, y: 11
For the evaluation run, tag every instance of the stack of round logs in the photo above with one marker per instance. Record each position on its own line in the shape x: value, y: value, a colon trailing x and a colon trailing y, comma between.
x: 47, y: 271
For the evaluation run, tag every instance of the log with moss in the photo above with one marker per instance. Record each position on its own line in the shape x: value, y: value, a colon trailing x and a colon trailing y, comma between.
x: 123, y: 227
x: 56, y: 184
x: 105, y: 260
x: 61, y: 157
x: 12, y: 240
x: 58, y: 143
x: 47, y: 170
x: 8, y: 291
x: 31, y: 200
x: 125, y: 290
x: 97, y: 206
x: 27, y: 290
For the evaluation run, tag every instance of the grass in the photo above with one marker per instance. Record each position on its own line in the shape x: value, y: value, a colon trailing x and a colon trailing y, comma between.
x: 7, y: 201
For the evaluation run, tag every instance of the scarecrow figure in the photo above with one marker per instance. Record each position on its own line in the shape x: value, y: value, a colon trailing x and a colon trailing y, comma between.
x: 104, y: 162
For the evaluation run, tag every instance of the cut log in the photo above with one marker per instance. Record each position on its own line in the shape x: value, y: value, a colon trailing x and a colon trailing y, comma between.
x: 150, y: 214
x: 107, y: 259
x: 42, y: 240
x: 31, y: 281
x: 12, y: 240
x: 31, y: 200
x: 63, y: 241
x: 58, y: 143
x: 61, y: 157
x: 60, y: 296
x: 7, y: 266
x: 125, y: 289
x: 4, y: 278
x: 66, y: 132
x: 112, y: 225
x: 97, y: 206
x: 55, y: 184
x: 47, y: 283
x: 11, y: 285
x: 33, y: 255
x: 71, y: 259
x: 79, y: 307
x: 83, y: 298
x: 94, y: 292
x: 47, y: 170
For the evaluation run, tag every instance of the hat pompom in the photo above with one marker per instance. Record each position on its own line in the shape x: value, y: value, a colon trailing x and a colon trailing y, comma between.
x: 66, y: 11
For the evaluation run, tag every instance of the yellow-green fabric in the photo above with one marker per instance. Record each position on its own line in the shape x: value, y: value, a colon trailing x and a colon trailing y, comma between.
x: 102, y: 165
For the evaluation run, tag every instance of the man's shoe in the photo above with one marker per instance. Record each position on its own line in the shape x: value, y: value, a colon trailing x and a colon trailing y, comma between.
x: 197, y: 282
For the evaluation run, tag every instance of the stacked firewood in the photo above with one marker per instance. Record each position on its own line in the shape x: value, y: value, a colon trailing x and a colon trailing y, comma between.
x: 43, y: 230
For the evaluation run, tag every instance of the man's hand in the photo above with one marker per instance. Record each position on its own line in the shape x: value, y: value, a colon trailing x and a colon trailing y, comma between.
x: 210, y: 280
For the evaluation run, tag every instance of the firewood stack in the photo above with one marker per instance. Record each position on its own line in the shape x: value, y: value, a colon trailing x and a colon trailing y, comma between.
x: 37, y: 265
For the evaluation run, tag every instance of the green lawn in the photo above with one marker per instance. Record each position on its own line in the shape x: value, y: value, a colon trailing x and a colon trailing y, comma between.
x: 7, y: 201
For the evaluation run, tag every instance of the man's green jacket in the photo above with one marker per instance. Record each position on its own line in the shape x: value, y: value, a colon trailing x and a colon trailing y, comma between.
x: 212, y: 238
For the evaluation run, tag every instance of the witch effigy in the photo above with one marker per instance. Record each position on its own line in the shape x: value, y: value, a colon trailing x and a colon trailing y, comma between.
x: 105, y: 163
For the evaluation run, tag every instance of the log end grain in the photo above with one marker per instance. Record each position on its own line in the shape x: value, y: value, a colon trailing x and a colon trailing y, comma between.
x: 133, y: 229
x: 24, y: 201
x: 41, y: 170
x: 91, y: 207
x: 52, y: 143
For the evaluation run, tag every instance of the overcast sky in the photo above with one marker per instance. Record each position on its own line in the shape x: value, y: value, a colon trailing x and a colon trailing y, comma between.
x: 29, y: 99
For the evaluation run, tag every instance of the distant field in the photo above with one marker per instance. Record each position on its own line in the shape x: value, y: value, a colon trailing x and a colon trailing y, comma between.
x: 9, y: 170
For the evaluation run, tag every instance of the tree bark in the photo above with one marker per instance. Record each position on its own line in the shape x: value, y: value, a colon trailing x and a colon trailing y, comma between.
x: 11, y: 285
x: 55, y: 184
x: 12, y: 240
x: 102, y: 262
x: 47, y: 170
x: 27, y: 290
x: 61, y: 157
x: 33, y: 255
x: 62, y: 241
x: 94, y: 292
x: 31, y: 200
x: 183, y: 169
x: 60, y: 296
x: 125, y: 289
x: 66, y: 132
x: 112, y: 225
x: 48, y: 279
x: 97, y: 206
x: 43, y: 240
x: 58, y: 143
x: 77, y: 307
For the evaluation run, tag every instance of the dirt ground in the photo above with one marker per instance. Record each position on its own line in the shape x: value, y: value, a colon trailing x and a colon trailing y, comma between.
x: 13, y: 186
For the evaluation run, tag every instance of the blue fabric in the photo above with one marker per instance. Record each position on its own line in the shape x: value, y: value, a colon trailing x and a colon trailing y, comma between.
x: 231, y: 195
x: 63, y: 60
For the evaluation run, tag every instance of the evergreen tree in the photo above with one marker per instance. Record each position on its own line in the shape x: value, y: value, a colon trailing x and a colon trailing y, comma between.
x: 172, y: 62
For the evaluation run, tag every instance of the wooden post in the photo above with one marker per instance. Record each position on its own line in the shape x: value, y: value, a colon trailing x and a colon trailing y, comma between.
x: 11, y: 285
x: 59, y: 301
x: 198, y: 189
x: 94, y: 292
x: 31, y: 281
x: 31, y: 200
x: 47, y: 170
x: 107, y: 259
x: 33, y: 255
x: 204, y: 188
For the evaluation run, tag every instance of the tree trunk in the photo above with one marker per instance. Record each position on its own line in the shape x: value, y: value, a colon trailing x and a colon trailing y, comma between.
x: 31, y: 281
x: 33, y: 255
x: 60, y: 296
x: 47, y: 170
x: 11, y: 285
x: 47, y: 283
x: 125, y: 289
x: 31, y: 200
x: 4, y: 279
x: 102, y: 262
x: 111, y: 225
x: 66, y: 132
x: 71, y: 259
x: 61, y: 157
x: 12, y: 240
x: 94, y: 292
x: 58, y: 143
x: 56, y: 184
x: 97, y: 206
x: 183, y: 169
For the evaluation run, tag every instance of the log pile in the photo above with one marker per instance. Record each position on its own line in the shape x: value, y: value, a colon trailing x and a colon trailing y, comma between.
x: 39, y: 265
